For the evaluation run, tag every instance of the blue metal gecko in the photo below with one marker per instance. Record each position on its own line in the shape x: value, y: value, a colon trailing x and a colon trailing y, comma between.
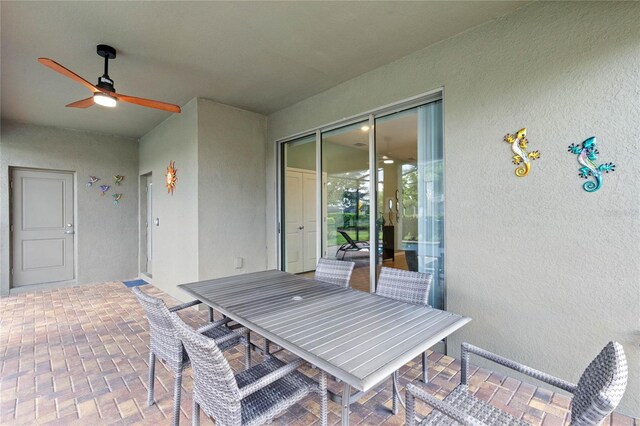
x: 587, y: 155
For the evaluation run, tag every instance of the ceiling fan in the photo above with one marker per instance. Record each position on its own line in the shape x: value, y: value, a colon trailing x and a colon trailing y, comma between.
x: 104, y: 93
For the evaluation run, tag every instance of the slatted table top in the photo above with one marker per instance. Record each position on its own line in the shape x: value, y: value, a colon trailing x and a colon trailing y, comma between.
x: 358, y: 337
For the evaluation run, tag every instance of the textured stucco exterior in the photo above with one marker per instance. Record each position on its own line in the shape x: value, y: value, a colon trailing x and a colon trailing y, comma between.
x: 218, y: 208
x: 548, y: 272
x: 106, y: 235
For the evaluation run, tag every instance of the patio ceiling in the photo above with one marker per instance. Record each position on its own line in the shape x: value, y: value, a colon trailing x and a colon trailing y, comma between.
x: 253, y: 55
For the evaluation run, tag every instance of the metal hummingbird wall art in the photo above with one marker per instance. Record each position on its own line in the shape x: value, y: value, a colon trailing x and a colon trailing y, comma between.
x: 103, y: 189
x: 116, y: 198
x: 92, y: 180
x: 519, y: 146
x: 587, y: 155
x: 117, y: 179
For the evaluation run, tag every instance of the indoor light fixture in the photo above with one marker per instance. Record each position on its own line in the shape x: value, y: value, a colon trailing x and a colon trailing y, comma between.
x: 388, y: 161
x: 104, y: 99
x: 364, y: 128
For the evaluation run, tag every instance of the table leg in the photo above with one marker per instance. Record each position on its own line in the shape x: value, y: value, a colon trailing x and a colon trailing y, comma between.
x: 394, y: 393
x: 346, y: 396
x: 210, y: 314
x: 266, y: 348
x: 425, y: 368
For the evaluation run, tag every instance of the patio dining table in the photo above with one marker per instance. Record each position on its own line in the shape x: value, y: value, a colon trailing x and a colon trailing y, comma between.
x: 357, y: 337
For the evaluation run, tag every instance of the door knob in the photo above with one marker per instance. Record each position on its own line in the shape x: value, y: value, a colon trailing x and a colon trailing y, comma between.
x: 301, y: 227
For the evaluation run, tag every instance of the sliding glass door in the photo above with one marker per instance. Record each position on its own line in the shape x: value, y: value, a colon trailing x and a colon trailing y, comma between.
x: 346, y: 199
x: 375, y: 196
x: 410, y: 193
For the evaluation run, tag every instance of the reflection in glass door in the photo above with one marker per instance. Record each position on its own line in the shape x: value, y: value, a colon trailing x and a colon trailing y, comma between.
x: 346, y: 199
x: 299, y: 222
x: 410, y: 193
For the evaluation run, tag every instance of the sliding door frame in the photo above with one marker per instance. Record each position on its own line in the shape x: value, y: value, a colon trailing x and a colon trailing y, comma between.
x: 370, y: 116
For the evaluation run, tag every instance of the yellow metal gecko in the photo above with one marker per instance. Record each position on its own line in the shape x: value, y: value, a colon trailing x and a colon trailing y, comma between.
x: 519, y: 145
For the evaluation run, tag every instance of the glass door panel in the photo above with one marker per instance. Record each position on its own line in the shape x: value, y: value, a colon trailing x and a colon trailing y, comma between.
x: 299, y: 221
x: 410, y: 193
x: 346, y: 199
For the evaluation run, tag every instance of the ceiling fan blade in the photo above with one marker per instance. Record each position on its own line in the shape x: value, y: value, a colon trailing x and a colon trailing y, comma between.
x: 147, y: 103
x: 67, y: 73
x: 84, y: 103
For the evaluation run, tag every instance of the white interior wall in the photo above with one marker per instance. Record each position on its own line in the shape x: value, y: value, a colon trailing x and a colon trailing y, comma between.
x: 106, y: 235
x: 548, y: 272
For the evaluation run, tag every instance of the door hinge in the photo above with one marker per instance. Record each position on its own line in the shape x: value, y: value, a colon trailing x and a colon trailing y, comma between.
x: 11, y: 271
x: 278, y: 227
x: 11, y: 228
x: 11, y: 184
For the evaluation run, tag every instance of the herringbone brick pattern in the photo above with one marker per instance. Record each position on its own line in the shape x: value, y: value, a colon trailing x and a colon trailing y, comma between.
x: 78, y: 355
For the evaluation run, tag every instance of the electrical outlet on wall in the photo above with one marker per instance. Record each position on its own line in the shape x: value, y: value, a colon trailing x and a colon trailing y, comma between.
x: 238, y: 262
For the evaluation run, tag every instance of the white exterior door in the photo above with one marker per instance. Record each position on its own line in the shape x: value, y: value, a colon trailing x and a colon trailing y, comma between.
x: 42, y: 227
x: 149, y: 225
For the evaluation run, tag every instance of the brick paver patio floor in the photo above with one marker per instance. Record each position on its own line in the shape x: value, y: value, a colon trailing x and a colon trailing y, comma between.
x: 78, y: 355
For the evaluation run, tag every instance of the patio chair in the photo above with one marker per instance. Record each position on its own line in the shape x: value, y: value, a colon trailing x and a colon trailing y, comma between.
x: 251, y: 397
x: 336, y: 272
x: 596, y: 395
x: 350, y: 245
x: 409, y: 287
x: 165, y: 343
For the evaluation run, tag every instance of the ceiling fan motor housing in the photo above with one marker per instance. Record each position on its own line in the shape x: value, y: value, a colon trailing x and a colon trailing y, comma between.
x: 107, y: 52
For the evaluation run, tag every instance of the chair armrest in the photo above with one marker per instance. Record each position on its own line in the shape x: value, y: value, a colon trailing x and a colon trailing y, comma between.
x: 414, y: 391
x: 240, y: 332
x: 184, y: 306
x: 516, y: 366
x: 271, y: 377
x: 208, y: 327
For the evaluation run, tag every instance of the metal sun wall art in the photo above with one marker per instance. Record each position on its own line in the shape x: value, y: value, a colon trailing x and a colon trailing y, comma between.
x: 171, y: 177
x: 92, y: 180
x: 103, y: 189
x: 587, y: 155
x: 118, y: 179
x: 519, y: 145
x: 116, y: 198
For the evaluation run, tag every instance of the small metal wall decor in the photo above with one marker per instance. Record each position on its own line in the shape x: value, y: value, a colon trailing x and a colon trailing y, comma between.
x: 587, y: 155
x: 116, y: 198
x: 519, y: 145
x: 103, y: 189
x: 171, y: 177
x: 117, y: 179
x: 92, y: 180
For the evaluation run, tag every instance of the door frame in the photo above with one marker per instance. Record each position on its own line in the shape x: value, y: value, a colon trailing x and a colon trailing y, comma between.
x: 76, y: 227
x: 370, y: 116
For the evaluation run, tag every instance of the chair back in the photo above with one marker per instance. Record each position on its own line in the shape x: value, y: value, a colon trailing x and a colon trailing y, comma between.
x: 347, y: 238
x: 336, y: 272
x: 405, y: 286
x: 164, y: 341
x: 214, y: 385
x: 600, y: 387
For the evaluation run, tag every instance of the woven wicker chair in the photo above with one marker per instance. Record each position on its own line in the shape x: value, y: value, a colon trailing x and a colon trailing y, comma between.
x: 336, y: 272
x: 165, y: 343
x: 409, y: 287
x: 596, y: 395
x: 251, y: 397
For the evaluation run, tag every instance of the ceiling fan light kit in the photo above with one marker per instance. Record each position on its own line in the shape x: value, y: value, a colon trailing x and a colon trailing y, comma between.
x: 104, y: 93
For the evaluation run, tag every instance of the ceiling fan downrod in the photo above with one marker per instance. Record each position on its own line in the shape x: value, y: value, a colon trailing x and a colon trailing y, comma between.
x: 107, y: 52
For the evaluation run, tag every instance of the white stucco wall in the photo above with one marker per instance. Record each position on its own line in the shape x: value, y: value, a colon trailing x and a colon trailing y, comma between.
x: 175, y: 241
x: 106, y: 235
x: 217, y: 210
x: 231, y: 207
x: 548, y: 272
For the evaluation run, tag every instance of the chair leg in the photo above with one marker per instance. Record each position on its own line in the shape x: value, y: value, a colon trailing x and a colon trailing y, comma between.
x: 394, y: 391
x: 177, y: 393
x: 425, y: 368
x: 152, y: 374
x: 195, y: 414
x: 266, y: 348
x: 323, y: 398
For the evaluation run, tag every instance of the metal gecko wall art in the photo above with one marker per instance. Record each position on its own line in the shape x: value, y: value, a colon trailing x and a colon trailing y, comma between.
x: 519, y: 145
x: 587, y: 155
